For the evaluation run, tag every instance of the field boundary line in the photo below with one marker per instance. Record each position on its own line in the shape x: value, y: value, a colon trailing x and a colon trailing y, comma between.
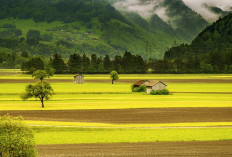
x: 112, y: 127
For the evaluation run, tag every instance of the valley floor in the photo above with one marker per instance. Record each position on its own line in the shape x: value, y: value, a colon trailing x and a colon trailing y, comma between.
x: 101, y: 119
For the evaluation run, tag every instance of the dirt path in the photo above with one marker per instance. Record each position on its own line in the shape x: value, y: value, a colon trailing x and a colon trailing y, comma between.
x: 124, y: 116
x: 121, y: 80
x: 160, y: 149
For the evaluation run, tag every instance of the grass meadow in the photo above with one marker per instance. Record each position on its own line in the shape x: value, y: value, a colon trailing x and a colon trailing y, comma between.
x: 103, y: 95
x: 47, y: 135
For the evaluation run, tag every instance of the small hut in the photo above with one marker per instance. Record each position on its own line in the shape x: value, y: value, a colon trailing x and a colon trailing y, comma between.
x: 79, y: 79
x: 155, y: 85
x: 141, y: 82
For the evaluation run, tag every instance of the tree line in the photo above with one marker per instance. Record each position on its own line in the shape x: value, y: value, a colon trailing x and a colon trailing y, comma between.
x: 130, y: 64
x: 93, y: 64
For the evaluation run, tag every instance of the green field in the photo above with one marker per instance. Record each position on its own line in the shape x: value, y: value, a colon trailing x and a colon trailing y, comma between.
x: 102, y: 95
x: 117, y: 101
x: 46, y: 135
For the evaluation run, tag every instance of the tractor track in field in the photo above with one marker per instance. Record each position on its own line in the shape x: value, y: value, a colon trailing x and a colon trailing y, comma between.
x: 129, y: 116
x: 158, y: 149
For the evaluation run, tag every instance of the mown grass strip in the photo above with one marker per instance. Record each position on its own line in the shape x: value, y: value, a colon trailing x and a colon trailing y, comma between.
x: 52, y: 135
x: 85, y: 124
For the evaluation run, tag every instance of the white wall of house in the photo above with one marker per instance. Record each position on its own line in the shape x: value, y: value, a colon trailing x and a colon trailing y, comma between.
x: 158, y: 86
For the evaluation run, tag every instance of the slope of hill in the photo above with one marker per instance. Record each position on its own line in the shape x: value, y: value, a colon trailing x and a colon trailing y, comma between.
x: 81, y: 26
x: 216, y: 38
x: 212, y: 46
x: 172, y: 16
x: 185, y: 21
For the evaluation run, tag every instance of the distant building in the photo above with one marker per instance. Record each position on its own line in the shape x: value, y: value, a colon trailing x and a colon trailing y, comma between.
x: 155, y: 85
x: 141, y: 82
x: 79, y: 79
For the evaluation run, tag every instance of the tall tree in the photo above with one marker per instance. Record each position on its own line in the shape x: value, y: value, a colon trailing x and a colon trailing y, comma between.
x: 42, y: 90
x: 94, y: 63
x: 74, y: 63
x: 58, y: 64
x: 117, y: 63
x: 33, y: 64
x: 85, y: 64
x: 107, y: 63
x: 127, y: 62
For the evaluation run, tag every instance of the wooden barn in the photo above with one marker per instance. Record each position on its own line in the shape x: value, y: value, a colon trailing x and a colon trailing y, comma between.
x: 155, y: 85
x: 141, y: 82
x: 79, y: 79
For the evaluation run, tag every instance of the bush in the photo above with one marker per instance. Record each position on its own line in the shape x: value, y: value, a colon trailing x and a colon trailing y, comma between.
x: 141, y: 88
x: 16, y: 138
x: 160, y: 92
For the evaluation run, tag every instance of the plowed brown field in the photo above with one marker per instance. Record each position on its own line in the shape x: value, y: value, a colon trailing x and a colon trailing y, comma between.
x: 159, y: 115
x: 162, y: 149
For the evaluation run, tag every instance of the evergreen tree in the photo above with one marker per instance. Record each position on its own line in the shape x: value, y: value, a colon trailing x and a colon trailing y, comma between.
x: 94, y: 63
x: 86, y: 65
x: 140, y: 64
x: 58, y: 64
x: 117, y: 63
x: 107, y: 63
x: 74, y: 63
x: 127, y: 62
x: 33, y: 64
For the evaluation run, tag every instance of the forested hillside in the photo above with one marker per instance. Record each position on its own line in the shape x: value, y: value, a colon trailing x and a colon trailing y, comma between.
x: 42, y: 28
x: 213, y: 47
x: 76, y: 26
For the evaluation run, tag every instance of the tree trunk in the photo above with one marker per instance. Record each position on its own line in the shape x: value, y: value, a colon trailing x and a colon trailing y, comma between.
x: 42, y: 101
x: 112, y: 81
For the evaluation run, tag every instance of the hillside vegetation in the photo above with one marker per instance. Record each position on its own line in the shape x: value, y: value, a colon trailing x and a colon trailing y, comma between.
x: 212, y: 48
x: 81, y: 26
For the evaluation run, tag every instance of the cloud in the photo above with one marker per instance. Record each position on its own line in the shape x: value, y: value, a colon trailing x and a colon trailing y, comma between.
x: 145, y: 8
x: 199, y: 6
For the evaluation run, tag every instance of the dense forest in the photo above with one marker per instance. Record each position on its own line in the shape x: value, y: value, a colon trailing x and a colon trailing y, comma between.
x: 212, y: 48
x: 93, y: 26
x: 87, y: 26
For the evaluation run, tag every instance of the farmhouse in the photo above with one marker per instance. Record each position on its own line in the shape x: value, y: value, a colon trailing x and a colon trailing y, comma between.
x: 155, y: 85
x: 141, y: 82
x: 79, y: 79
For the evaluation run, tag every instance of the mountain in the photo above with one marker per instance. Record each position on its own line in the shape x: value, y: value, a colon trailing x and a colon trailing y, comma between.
x: 213, y: 45
x: 44, y: 27
x: 81, y: 26
x: 185, y: 21
x: 186, y: 17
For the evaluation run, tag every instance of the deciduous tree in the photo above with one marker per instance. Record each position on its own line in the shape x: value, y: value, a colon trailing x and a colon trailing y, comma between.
x: 114, y: 76
x: 42, y: 90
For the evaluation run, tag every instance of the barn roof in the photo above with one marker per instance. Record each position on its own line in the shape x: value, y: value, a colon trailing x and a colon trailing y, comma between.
x: 139, y: 83
x: 78, y: 75
x: 154, y: 82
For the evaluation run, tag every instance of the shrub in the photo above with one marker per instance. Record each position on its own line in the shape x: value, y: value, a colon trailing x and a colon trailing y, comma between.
x: 160, y: 92
x: 141, y: 88
x: 16, y: 138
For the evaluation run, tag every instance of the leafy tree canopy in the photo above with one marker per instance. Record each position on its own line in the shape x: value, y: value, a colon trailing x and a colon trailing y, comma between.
x: 42, y: 90
x: 16, y: 138
x: 114, y: 76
